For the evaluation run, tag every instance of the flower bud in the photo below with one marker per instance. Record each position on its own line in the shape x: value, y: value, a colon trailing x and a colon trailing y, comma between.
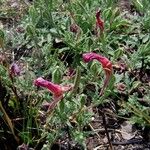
x: 14, y: 69
x: 74, y: 28
x: 99, y: 21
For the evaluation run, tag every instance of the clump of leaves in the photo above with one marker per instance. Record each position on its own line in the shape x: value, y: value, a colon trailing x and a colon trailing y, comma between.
x: 50, y: 47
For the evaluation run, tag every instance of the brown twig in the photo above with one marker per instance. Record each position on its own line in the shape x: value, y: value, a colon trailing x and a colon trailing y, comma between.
x: 105, y: 127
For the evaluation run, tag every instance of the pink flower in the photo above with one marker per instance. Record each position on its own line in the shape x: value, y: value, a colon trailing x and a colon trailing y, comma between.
x: 55, y: 89
x: 106, y: 64
x: 99, y: 21
x: 14, y: 69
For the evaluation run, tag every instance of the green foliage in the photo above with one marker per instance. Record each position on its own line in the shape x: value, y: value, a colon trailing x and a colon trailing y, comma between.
x: 52, y: 49
x: 140, y: 114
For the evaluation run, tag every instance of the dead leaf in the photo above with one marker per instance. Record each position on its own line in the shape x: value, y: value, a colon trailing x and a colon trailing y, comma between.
x: 127, y: 130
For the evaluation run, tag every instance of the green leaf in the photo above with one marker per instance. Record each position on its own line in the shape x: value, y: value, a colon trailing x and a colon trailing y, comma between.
x: 145, y: 38
x: 34, y: 15
x: 135, y: 85
x: 138, y: 5
x: 2, y: 35
x: 118, y: 53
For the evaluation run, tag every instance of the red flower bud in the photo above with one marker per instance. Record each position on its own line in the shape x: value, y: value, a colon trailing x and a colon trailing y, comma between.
x: 99, y: 21
x: 106, y: 64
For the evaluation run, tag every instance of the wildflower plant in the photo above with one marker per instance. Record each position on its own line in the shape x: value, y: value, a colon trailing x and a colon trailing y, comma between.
x: 46, y: 97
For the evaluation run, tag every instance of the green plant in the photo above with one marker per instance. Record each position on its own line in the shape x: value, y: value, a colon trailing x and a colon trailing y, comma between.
x: 47, y: 46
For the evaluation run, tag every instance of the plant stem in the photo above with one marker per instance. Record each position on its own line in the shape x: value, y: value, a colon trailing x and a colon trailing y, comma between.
x: 8, y: 120
x: 105, y: 127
